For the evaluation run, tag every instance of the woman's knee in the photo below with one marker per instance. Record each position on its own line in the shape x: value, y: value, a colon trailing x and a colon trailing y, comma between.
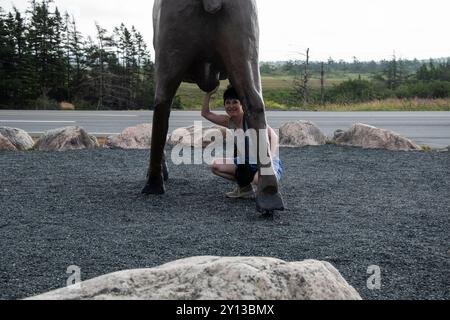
x: 215, y: 167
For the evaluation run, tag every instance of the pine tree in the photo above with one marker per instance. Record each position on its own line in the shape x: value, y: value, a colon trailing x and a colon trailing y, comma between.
x: 6, y: 58
x: 43, y: 57
x: 68, y: 55
x: 101, y: 38
x: 59, y: 63
x: 395, y: 73
x: 78, y: 54
x: 14, y: 58
x: 39, y: 38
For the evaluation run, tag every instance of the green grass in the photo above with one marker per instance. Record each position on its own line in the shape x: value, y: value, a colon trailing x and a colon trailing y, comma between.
x: 279, y: 95
x: 275, y: 88
x: 391, y: 105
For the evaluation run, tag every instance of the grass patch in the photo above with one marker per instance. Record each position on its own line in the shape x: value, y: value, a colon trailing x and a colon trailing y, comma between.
x: 426, y: 148
x: 391, y: 105
x: 279, y: 95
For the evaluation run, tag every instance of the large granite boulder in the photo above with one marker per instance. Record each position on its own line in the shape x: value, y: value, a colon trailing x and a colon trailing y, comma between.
x: 197, y: 136
x: 369, y: 137
x: 301, y: 134
x: 216, y: 278
x: 67, y: 138
x: 5, y: 145
x: 137, y: 137
x: 20, y: 139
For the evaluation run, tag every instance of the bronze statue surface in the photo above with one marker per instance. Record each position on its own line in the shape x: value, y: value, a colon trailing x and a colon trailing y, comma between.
x: 203, y: 42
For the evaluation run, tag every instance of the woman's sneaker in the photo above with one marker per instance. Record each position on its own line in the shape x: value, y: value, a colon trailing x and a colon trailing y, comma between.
x: 242, y: 193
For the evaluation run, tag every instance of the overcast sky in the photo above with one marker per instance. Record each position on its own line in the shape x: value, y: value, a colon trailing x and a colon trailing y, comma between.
x: 340, y: 29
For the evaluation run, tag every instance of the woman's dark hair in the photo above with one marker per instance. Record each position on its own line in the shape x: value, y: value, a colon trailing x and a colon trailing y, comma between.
x: 230, y: 93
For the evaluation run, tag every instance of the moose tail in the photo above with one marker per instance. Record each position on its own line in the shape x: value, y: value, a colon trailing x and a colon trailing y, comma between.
x: 212, y: 6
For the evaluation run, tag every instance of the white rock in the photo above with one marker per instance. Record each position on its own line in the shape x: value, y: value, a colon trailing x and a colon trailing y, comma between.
x: 301, y: 134
x: 137, y: 137
x: 5, y: 145
x: 20, y: 139
x: 197, y: 137
x: 216, y: 278
x: 369, y: 137
x: 67, y: 138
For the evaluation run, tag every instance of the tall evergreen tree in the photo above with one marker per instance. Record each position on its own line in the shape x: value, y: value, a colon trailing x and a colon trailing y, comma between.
x: 78, y: 54
x: 6, y: 58
x: 44, y: 57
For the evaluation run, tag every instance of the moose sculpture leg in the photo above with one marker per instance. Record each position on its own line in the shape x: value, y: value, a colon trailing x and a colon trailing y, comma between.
x: 247, y: 81
x: 168, y: 80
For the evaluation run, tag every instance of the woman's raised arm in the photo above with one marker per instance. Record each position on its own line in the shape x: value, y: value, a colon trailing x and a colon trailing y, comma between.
x: 218, y: 119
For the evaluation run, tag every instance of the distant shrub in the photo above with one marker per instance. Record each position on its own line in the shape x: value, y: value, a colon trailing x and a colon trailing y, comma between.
x: 272, y: 105
x: 353, y: 91
x: 283, y: 97
x: 424, y: 89
x: 177, y: 103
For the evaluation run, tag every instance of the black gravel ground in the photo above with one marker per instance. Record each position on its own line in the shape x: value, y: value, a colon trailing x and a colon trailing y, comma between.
x: 351, y: 207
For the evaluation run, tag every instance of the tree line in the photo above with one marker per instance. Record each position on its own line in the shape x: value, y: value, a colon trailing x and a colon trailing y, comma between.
x: 336, y: 68
x: 45, y: 59
x: 395, y: 78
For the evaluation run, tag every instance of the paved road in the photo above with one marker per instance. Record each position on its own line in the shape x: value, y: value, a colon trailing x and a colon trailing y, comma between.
x: 431, y: 128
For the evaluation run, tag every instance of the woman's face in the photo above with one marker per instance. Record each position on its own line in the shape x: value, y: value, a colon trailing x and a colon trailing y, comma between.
x: 233, y: 107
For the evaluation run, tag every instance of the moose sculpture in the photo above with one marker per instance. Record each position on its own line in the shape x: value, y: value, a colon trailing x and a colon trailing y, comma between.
x: 203, y: 42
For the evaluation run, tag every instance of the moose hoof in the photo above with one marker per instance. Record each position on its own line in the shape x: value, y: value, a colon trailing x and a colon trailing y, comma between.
x: 154, y: 188
x: 267, y: 203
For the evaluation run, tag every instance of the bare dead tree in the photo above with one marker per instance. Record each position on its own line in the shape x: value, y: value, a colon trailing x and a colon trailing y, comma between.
x: 306, y: 80
x: 302, y: 80
x: 322, y: 84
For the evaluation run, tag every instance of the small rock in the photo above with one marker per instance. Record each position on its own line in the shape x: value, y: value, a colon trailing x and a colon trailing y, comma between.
x: 216, y: 278
x: 338, y: 133
x: 301, y: 134
x: 67, y: 138
x: 66, y: 106
x: 137, y: 137
x: 5, y: 145
x: 369, y: 137
x: 197, y: 137
x: 20, y: 139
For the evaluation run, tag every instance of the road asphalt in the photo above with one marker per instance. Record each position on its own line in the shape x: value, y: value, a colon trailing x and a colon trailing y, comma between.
x: 426, y: 128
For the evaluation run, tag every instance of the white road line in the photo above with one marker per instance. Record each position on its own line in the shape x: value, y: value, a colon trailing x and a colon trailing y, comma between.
x: 35, y: 121
x: 105, y: 115
x: 114, y: 115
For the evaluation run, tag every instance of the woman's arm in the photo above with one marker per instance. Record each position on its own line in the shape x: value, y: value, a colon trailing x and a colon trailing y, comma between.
x: 220, y: 120
x: 274, y: 141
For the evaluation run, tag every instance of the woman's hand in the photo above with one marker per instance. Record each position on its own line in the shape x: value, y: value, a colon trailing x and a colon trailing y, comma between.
x: 210, y: 94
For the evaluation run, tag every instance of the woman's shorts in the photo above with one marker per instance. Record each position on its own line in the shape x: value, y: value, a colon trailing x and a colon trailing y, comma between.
x: 277, y: 165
